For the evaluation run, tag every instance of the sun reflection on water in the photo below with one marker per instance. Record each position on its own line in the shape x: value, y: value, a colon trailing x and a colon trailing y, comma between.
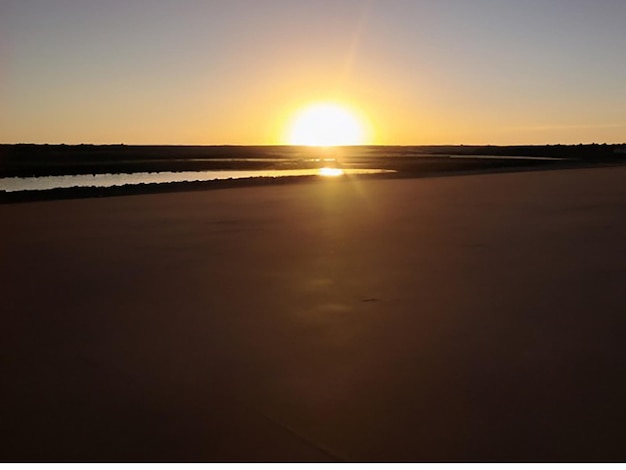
x: 327, y: 171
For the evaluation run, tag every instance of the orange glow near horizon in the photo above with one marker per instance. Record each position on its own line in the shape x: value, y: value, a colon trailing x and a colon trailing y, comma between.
x: 327, y: 125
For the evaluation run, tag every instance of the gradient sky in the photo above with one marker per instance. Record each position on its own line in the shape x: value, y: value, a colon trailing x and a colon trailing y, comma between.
x: 235, y: 71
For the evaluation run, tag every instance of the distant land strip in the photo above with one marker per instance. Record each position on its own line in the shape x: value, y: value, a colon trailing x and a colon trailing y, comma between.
x: 49, y: 160
x: 33, y: 160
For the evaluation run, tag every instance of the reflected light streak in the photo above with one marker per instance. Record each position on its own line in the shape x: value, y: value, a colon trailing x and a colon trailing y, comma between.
x: 354, y: 44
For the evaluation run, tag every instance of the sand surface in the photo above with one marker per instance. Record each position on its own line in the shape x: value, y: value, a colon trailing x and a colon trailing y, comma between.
x: 458, y: 318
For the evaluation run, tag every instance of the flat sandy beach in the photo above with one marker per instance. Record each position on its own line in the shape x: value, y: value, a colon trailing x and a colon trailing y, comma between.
x: 460, y: 318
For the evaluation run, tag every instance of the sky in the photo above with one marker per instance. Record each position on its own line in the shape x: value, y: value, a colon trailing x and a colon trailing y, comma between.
x: 236, y: 71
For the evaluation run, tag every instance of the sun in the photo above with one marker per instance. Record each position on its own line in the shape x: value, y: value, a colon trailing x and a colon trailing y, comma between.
x: 326, y: 125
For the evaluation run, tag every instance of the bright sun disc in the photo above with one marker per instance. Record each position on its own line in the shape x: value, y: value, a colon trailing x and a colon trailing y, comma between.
x: 326, y: 125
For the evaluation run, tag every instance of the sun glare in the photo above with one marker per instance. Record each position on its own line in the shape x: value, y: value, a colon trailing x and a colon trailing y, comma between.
x: 326, y: 125
x: 327, y: 171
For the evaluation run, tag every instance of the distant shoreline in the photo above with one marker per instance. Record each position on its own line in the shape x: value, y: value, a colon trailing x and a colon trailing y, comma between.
x: 491, y: 166
x: 28, y: 160
x: 48, y: 160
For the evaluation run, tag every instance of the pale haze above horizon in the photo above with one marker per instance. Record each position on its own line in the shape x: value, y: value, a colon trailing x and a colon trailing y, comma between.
x: 205, y: 72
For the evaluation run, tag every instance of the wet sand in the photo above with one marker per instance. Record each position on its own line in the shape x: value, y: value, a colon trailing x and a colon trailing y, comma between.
x: 461, y: 318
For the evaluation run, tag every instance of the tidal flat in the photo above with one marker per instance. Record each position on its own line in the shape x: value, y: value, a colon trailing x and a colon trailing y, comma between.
x: 458, y: 318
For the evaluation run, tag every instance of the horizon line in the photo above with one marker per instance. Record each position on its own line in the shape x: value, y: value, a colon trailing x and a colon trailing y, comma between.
x: 122, y: 144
